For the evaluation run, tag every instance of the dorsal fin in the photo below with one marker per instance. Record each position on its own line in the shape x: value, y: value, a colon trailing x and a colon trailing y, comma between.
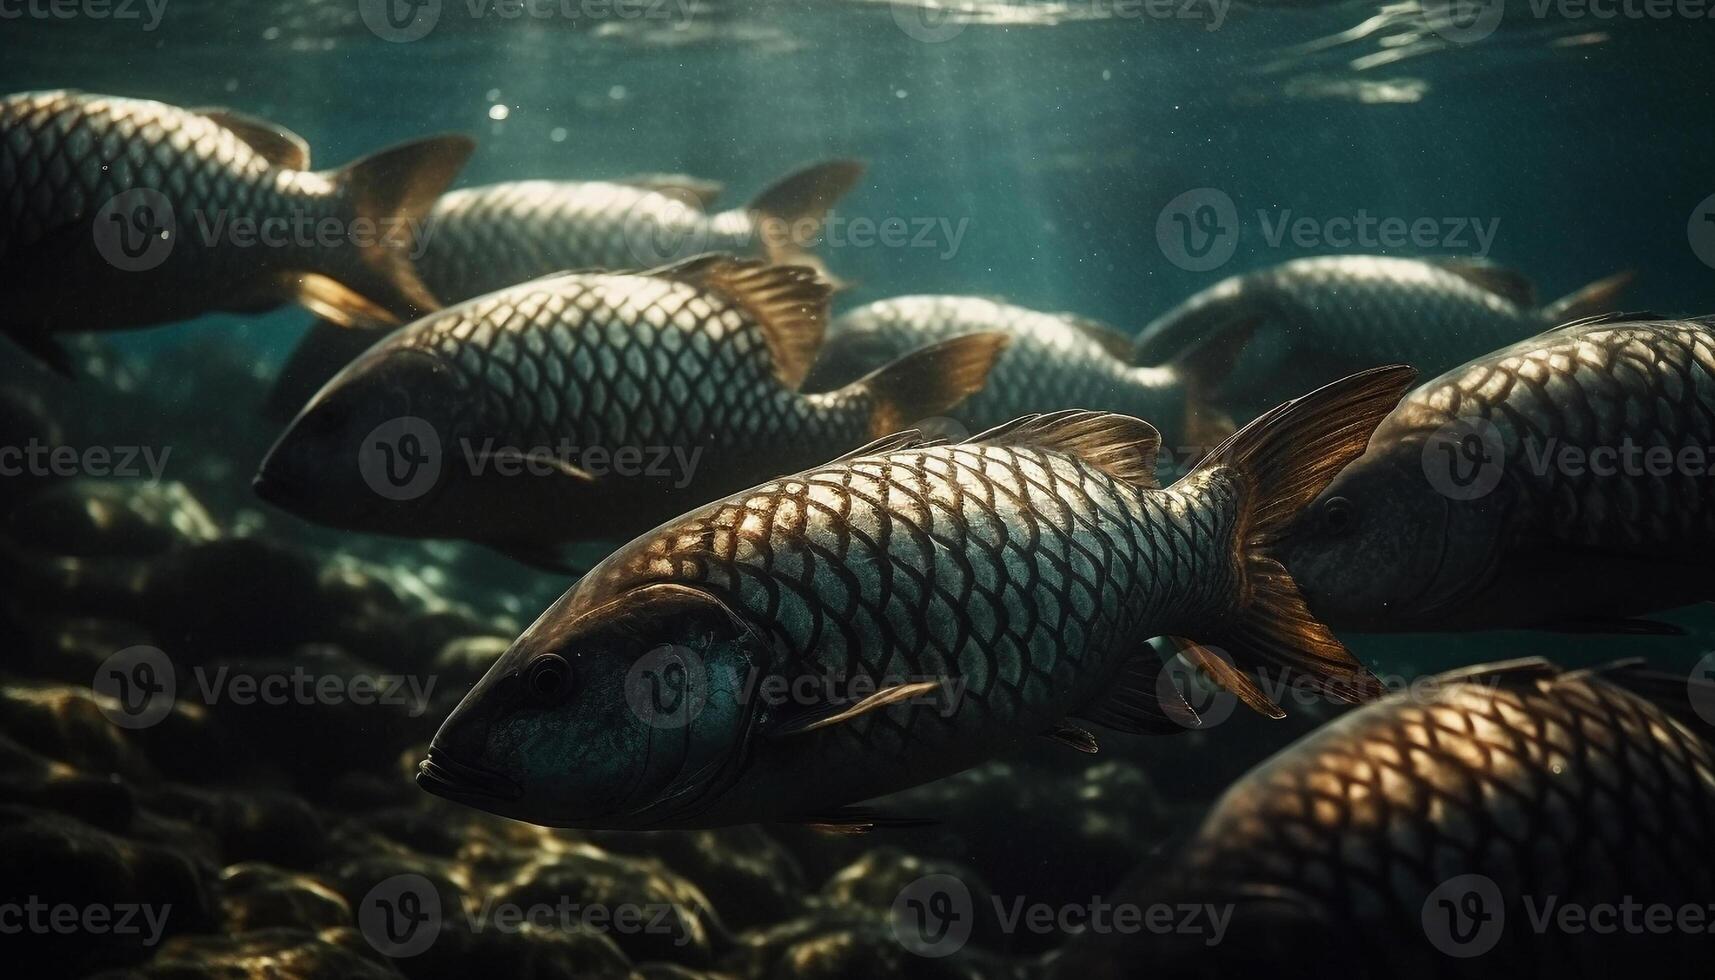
x: 694, y: 191
x: 908, y: 439
x: 1110, y: 338
x: 789, y: 303
x: 274, y: 142
x: 1617, y: 316
x: 1119, y: 445
x: 1509, y: 284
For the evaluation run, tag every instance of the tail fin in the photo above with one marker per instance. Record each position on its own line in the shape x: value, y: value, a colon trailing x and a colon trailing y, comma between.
x: 1598, y: 297
x: 791, y: 211
x: 394, y: 190
x: 1284, y: 459
x: 930, y: 381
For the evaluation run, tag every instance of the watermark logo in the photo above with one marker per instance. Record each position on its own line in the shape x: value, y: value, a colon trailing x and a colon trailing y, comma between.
x: 401, y: 916
x: 400, y: 21
x: 139, y: 686
x: 928, y: 21
x: 140, y: 683
x: 1701, y: 231
x: 400, y: 459
x: 1464, y: 459
x: 149, y: 12
x: 1701, y: 688
x: 34, y: 915
x: 136, y: 230
x: 933, y: 916
x: 1463, y: 21
x: 668, y: 687
x: 38, y: 459
x: 1199, y: 230
x: 1464, y: 916
x: 662, y: 227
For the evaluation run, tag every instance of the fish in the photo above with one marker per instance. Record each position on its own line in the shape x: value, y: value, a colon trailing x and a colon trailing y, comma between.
x: 129, y: 213
x: 1055, y: 361
x: 927, y: 603
x: 482, y: 239
x: 1559, y: 484
x: 592, y: 406
x: 1424, y: 835
x: 1311, y: 320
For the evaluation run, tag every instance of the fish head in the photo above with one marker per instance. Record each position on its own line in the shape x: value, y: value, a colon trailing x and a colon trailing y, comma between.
x: 1385, y: 548
x: 373, y: 449
x: 627, y: 715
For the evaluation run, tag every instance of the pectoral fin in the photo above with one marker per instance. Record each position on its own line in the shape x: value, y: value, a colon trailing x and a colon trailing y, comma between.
x: 1072, y: 736
x: 548, y: 460
x: 1142, y: 700
x: 854, y: 821
x: 834, y: 714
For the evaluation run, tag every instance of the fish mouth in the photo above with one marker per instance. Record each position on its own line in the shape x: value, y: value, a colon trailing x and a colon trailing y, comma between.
x: 445, y: 776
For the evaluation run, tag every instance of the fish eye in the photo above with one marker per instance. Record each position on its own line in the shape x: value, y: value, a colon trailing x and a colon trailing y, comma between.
x: 1337, y: 513
x: 548, y: 678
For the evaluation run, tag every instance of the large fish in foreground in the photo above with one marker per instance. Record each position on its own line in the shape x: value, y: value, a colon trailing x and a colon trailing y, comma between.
x: 1311, y: 320
x: 1054, y: 361
x: 486, y: 238
x: 1561, y: 483
x: 126, y: 213
x: 591, y: 406
x: 1513, y: 820
x: 925, y: 605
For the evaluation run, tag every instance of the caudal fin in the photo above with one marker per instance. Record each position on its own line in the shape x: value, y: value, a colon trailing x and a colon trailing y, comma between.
x: 927, y: 382
x: 790, y: 212
x: 1284, y: 459
x: 1598, y: 297
x: 392, y: 192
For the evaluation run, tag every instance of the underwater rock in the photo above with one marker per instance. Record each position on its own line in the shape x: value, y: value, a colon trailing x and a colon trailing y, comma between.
x: 256, y: 896
x: 66, y: 724
x: 234, y: 596
x: 649, y: 912
x: 758, y: 879
x: 464, y: 660
x: 250, y: 825
x: 72, y: 648
x: 95, y: 900
x: 89, y: 517
x: 32, y: 779
x: 854, y: 946
x: 269, y: 953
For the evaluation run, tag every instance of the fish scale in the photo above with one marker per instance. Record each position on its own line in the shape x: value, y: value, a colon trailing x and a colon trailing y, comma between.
x: 49, y: 178
x: 486, y: 238
x: 1054, y: 361
x: 1097, y: 546
x: 1499, y: 771
x: 1590, y: 386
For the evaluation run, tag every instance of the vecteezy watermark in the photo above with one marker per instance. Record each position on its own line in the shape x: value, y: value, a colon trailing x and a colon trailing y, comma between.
x: 1700, y: 687
x: 39, y: 917
x: 402, y: 916
x: 402, y: 459
x: 669, y: 686
x: 1466, y: 916
x: 137, y: 230
x: 1465, y: 459
x: 934, y: 916
x: 935, y: 21
x: 1700, y: 231
x: 38, y: 459
x: 1199, y: 231
x: 147, y: 12
x: 1462, y: 21
x: 1194, y: 678
x: 661, y: 228
x: 138, y: 687
x: 401, y: 21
